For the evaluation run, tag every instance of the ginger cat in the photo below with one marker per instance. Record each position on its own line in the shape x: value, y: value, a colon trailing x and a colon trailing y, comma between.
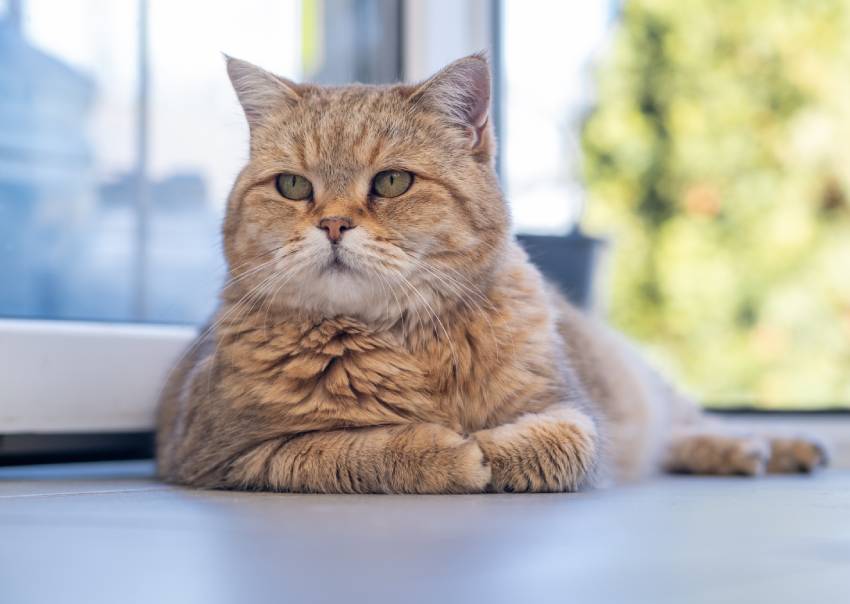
x: 382, y: 332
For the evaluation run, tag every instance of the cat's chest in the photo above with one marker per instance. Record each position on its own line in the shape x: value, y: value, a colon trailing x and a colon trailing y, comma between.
x: 335, y: 369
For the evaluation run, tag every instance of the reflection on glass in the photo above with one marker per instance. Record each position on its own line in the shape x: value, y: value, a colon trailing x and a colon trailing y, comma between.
x: 69, y: 160
x: 109, y: 211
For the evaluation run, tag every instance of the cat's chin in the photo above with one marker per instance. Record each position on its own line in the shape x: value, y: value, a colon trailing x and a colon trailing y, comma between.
x: 339, y: 289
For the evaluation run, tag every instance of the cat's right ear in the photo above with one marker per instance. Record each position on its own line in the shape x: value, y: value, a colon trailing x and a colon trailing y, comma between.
x: 260, y: 92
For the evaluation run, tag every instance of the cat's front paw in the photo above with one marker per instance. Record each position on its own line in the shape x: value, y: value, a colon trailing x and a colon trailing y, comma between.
x: 796, y: 454
x: 552, y: 452
x: 444, y: 461
x: 472, y: 473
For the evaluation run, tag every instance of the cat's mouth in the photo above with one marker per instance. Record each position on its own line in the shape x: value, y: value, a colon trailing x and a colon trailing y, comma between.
x: 336, y: 262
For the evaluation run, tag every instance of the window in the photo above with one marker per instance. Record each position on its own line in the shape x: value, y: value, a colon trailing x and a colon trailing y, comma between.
x: 121, y: 137
x: 705, y: 141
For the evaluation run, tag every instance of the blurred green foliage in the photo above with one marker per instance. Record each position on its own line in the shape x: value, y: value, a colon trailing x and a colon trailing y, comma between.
x: 717, y: 158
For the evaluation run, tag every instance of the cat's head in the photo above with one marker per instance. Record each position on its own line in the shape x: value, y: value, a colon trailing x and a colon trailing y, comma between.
x: 365, y: 201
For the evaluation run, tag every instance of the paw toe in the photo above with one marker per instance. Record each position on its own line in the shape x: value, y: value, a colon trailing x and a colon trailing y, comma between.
x: 474, y: 471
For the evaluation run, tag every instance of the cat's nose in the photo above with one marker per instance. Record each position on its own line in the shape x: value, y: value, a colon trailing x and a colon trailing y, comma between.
x: 335, y: 226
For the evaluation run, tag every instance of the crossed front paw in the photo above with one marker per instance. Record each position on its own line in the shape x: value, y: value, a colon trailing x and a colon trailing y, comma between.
x: 430, y: 458
x: 540, y: 453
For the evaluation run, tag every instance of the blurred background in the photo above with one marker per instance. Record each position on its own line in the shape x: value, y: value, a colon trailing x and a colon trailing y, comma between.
x: 701, y: 146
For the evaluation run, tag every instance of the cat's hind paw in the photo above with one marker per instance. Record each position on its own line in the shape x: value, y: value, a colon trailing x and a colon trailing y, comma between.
x: 718, y: 454
x: 792, y: 454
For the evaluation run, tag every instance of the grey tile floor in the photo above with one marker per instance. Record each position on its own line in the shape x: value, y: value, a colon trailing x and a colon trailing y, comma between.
x: 109, y: 532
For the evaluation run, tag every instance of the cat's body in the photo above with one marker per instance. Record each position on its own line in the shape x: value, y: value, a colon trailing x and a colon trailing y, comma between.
x: 403, y: 342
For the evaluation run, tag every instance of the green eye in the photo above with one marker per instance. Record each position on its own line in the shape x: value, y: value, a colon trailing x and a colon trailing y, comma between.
x: 293, y: 186
x: 391, y: 183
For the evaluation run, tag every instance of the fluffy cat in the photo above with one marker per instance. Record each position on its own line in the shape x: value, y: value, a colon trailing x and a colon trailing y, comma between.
x: 382, y: 332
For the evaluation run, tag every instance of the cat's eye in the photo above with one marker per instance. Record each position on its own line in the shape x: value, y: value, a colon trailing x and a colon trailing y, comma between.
x: 293, y: 186
x: 391, y: 183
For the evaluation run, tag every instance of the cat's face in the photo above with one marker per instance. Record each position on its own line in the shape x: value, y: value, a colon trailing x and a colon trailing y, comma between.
x: 365, y: 201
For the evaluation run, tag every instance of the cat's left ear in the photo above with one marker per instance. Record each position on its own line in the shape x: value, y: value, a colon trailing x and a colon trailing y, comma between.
x: 461, y: 92
x: 260, y: 92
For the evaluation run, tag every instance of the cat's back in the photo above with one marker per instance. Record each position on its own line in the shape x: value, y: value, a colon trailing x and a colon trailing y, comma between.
x: 172, y: 407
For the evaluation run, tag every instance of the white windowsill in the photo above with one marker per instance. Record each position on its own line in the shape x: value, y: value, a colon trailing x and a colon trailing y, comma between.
x: 65, y: 377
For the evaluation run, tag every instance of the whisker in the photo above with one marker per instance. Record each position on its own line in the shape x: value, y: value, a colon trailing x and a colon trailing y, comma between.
x: 435, y: 317
x: 201, y: 338
x: 227, y: 317
x: 291, y: 273
x: 459, y: 289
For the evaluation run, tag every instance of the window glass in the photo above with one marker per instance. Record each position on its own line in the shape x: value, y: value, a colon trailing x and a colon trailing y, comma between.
x: 119, y: 142
x: 547, y: 87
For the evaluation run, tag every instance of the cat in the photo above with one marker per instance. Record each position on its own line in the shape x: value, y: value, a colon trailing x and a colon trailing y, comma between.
x: 381, y: 331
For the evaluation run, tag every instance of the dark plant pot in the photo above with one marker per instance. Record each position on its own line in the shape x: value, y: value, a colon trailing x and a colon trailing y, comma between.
x: 570, y: 261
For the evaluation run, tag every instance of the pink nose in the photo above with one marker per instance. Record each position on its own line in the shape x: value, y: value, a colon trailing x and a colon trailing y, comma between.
x: 335, y: 226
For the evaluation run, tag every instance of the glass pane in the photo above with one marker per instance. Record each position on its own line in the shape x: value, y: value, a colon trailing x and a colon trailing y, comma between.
x: 66, y: 97
x: 112, y: 184
x: 198, y: 139
x: 706, y: 142
x: 547, y: 88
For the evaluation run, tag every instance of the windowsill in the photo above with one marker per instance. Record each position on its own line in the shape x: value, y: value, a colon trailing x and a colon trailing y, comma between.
x: 74, y: 377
